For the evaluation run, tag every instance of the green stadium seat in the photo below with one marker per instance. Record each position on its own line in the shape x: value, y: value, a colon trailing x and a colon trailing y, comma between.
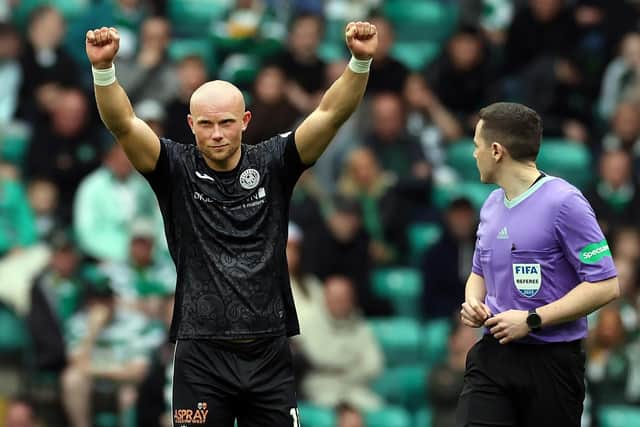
x: 417, y: 54
x: 14, y: 141
x: 434, y: 340
x: 202, y: 47
x: 402, y: 286
x: 315, y: 416
x: 388, y: 417
x: 70, y: 9
x: 399, y: 338
x: 422, y: 235
x: 421, y: 20
x: 403, y: 385
x: 619, y: 416
x: 475, y: 191
x: 566, y: 159
x: 195, y: 17
x: 460, y: 158
x: 422, y: 418
x: 13, y: 333
x: 106, y: 419
x: 240, y: 69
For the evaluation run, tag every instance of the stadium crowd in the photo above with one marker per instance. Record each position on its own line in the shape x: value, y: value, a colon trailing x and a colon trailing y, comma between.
x: 382, y: 228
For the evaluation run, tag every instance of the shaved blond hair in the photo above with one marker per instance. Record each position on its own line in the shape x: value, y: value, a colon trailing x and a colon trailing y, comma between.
x: 217, y: 94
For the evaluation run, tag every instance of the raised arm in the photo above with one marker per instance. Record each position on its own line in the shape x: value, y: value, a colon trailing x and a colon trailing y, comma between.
x: 140, y: 143
x: 342, y: 98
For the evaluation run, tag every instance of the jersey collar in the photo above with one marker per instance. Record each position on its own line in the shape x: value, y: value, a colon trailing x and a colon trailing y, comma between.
x: 516, y: 201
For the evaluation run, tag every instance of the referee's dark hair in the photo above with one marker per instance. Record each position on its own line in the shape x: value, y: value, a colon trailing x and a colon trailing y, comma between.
x: 515, y: 126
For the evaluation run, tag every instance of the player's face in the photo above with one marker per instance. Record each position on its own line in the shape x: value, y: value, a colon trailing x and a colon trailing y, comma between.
x: 219, y: 134
x: 482, y: 154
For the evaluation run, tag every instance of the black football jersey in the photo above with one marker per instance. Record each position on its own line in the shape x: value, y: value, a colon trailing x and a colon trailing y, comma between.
x: 227, y: 234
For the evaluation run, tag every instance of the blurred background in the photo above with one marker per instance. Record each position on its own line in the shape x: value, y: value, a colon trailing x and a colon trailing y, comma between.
x: 382, y: 227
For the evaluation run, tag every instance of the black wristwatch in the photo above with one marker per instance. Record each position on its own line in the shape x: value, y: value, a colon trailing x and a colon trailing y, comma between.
x: 534, y: 321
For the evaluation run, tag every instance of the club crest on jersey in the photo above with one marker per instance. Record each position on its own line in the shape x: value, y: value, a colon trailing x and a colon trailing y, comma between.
x: 527, y: 278
x: 249, y: 179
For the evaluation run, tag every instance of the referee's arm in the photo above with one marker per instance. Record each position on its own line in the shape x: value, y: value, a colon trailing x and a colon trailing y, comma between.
x: 580, y: 301
x: 140, y: 143
x: 342, y: 98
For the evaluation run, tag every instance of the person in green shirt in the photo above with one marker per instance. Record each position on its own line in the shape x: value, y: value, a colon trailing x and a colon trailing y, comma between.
x: 17, y: 224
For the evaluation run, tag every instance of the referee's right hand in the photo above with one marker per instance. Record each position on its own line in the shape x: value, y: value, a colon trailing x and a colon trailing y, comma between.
x: 474, y: 313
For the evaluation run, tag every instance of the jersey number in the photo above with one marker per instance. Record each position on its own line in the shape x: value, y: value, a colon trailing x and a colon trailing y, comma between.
x: 295, y: 416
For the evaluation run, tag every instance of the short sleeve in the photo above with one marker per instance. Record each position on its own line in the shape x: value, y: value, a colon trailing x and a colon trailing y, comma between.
x: 582, y: 240
x: 287, y: 158
x: 159, y: 177
x: 476, y: 265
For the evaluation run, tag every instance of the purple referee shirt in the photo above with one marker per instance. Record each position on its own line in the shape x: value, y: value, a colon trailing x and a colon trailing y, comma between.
x: 534, y: 249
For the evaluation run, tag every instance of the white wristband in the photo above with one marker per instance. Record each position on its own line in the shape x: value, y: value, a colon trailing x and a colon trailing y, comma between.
x: 104, y: 77
x: 360, y: 65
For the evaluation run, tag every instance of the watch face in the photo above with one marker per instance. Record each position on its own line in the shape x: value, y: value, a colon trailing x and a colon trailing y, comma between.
x: 534, y: 321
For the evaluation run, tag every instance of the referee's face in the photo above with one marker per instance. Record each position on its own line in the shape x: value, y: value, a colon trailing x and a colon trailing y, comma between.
x: 482, y: 154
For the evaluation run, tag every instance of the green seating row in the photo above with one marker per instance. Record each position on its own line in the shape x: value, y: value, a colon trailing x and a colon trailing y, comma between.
x: 404, y: 340
x: 389, y: 416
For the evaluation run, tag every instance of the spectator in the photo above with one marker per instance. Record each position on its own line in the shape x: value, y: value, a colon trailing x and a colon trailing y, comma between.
x: 142, y: 280
x: 11, y: 74
x: 154, y: 402
x: 343, y: 233
x: 620, y: 76
x: 20, y: 413
x: 629, y: 296
x: 307, y: 289
x: 348, y: 416
x: 446, y: 379
x: 44, y: 61
x: 625, y: 132
x: 271, y: 111
x: 108, y: 200
x: 615, y: 197
x: 382, y: 209
x: 553, y: 23
x: 463, y: 75
x: 109, y: 353
x: 446, y: 265
x: 343, y: 351
x: 151, y: 74
x: 17, y: 228
x: 431, y: 122
x: 626, y: 244
x: 56, y: 295
x: 66, y: 149
x: 153, y: 113
x: 387, y: 73
x: 43, y: 199
x: 395, y: 150
x: 304, y: 69
x: 612, y: 363
x: 192, y: 72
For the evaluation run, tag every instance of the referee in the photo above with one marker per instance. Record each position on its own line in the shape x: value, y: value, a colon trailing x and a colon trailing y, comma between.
x: 540, y: 265
x: 225, y: 209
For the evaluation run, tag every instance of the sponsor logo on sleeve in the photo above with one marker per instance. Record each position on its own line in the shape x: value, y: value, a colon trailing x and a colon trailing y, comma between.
x: 527, y: 278
x: 594, y: 252
x: 191, y: 416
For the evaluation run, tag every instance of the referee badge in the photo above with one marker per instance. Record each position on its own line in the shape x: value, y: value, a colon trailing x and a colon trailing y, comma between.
x: 527, y: 278
x: 249, y: 179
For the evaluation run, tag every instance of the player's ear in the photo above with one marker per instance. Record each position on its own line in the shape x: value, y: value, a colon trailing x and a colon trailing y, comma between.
x: 497, y: 150
x: 246, y: 118
x: 190, y: 122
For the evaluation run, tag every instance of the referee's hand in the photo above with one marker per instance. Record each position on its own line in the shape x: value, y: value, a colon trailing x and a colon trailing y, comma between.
x: 508, y: 326
x: 474, y: 313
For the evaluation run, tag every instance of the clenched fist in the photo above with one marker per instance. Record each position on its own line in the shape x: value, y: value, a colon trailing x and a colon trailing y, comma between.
x: 102, y: 45
x: 362, y: 39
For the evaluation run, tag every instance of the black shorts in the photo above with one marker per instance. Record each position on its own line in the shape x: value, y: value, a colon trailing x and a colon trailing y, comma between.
x: 215, y: 383
x: 523, y: 385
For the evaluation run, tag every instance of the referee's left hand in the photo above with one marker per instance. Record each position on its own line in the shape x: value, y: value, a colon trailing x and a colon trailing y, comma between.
x: 508, y: 326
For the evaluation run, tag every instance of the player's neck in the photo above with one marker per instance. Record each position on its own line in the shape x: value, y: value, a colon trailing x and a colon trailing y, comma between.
x: 517, y: 178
